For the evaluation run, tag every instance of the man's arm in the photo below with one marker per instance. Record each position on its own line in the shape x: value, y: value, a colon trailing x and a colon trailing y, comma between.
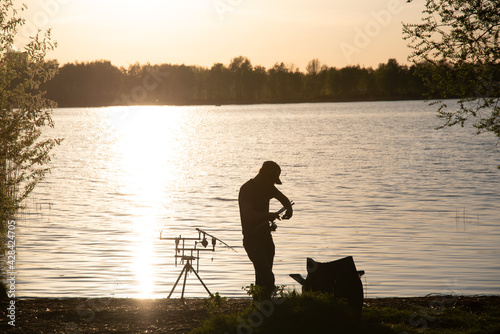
x: 286, y: 203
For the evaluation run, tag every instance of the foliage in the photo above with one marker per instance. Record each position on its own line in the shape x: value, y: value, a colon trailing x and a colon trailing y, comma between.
x: 322, y: 313
x: 24, y: 109
x: 457, y: 46
x: 215, y: 302
x: 289, y: 313
x: 258, y: 292
x: 24, y: 112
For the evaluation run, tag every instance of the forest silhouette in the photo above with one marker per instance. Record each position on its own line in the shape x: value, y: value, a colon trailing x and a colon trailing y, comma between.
x: 99, y: 83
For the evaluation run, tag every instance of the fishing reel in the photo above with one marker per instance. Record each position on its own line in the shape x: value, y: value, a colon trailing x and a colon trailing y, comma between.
x: 273, y: 226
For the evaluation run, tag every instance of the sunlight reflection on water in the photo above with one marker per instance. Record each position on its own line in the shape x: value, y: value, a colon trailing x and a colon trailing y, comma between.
x: 145, y: 152
x: 418, y: 209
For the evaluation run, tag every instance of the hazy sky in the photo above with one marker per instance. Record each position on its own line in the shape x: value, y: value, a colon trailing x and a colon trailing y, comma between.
x: 204, y: 32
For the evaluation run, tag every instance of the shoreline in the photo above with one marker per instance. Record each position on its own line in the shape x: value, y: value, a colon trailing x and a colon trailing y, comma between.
x: 234, y: 103
x: 430, y: 295
x: 124, y: 315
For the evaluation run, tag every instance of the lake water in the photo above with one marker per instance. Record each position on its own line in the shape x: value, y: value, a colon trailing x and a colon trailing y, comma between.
x: 418, y: 209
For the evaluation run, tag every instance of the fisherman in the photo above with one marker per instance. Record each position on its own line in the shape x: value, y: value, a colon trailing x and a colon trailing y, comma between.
x: 253, y: 199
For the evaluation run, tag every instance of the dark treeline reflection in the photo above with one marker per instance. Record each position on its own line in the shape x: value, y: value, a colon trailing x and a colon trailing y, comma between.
x: 99, y: 83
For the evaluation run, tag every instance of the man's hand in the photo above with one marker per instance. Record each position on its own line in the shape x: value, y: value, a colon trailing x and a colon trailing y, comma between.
x: 273, y: 216
x: 288, y: 214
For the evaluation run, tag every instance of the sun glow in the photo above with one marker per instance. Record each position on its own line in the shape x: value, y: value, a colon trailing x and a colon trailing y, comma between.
x: 147, y: 144
x: 143, y: 251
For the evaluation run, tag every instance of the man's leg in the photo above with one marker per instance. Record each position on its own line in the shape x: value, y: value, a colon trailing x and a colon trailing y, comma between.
x: 262, y: 255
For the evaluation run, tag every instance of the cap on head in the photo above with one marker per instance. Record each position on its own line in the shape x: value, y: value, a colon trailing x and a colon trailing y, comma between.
x: 271, y: 170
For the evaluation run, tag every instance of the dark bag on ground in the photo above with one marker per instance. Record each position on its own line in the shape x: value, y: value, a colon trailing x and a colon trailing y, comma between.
x: 339, y: 277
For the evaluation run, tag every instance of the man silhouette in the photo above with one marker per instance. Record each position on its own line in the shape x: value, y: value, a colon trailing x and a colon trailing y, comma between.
x: 253, y: 199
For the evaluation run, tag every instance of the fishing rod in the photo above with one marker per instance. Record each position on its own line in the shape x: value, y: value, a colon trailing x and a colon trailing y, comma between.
x: 273, y: 225
x: 280, y: 211
x: 214, y: 239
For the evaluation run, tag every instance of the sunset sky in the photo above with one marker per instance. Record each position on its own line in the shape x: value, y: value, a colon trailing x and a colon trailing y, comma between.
x: 204, y: 32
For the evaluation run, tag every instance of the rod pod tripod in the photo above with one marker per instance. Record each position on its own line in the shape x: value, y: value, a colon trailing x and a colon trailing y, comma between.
x: 188, y: 255
x: 187, y: 268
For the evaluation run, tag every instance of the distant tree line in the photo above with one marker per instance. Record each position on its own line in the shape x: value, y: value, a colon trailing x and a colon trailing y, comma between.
x: 99, y: 83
